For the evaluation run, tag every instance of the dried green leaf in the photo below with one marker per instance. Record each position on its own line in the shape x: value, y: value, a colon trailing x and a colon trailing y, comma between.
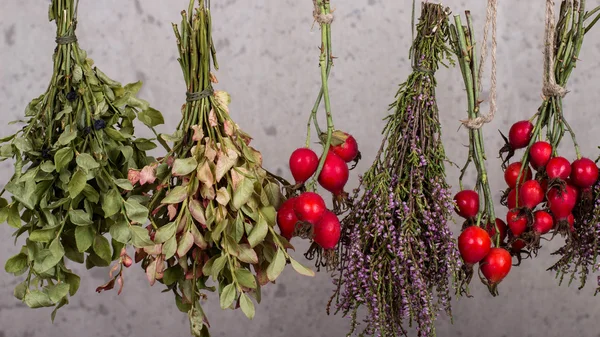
x: 247, y: 254
x: 119, y: 231
x: 186, y: 242
x: 204, y: 174
x: 80, y: 217
x: 84, y: 238
x: 13, y: 217
x: 140, y: 237
x: 47, y: 166
x: 228, y: 295
x: 136, y: 212
x: 197, y: 211
x: 43, y: 235
x: 247, y: 306
x: 49, y: 258
x: 102, y: 248
x: 182, y: 167
x: 245, y: 278
x: 20, y: 290
x: 62, y: 158
x: 16, y: 264
x: 22, y: 144
x: 151, y: 117
x: 77, y: 184
x: 198, y: 237
x: 116, y: 135
x: 124, y: 184
x: 300, y: 269
x: 176, y: 195
x: 170, y: 247
x: 218, y: 266
x: 90, y: 194
x: 111, y: 203
x: 37, y: 299
x: 259, y: 232
x: 243, y: 193
x: 166, y: 232
x: 223, y: 196
x: 276, y: 266
x: 67, y: 136
x: 87, y: 162
x: 225, y: 161
x: 57, y: 292
x: 73, y: 281
x: 172, y: 274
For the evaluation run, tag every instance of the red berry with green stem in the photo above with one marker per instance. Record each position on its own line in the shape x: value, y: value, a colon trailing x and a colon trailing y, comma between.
x: 542, y: 222
x: 327, y: 231
x: 584, y: 172
x: 348, y: 150
x: 474, y: 244
x: 558, y: 167
x: 517, y: 222
x: 496, y: 265
x: 334, y: 175
x: 467, y: 203
x: 303, y: 164
x: 531, y: 194
x: 309, y: 207
x: 539, y: 154
x: 511, y: 174
x: 287, y: 219
x: 520, y: 134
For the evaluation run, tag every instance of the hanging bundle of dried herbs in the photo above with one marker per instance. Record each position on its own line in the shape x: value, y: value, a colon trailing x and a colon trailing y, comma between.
x: 70, y: 184
x: 398, y: 253
x: 213, y: 206
x: 482, y: 238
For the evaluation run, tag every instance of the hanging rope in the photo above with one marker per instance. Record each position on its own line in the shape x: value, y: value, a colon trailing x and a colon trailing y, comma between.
x: 550, y: 88
x: 490, y: 20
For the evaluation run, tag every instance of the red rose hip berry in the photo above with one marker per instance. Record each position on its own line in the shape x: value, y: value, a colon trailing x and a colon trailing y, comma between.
x: 334, y: 175
x: 511, y: 175
x: 584, y: 172
x: 539, y: 154
x: 531, y: 194
x: 467, y: 203
x: 496, y: 265
x: 327, y: 231
x: 348, y: 150
x: 287, y: 219
x: 303, y: 164
x: 558, y: 167
x: 474, y: 244
x: 520, y: 134
x: 309, y: 207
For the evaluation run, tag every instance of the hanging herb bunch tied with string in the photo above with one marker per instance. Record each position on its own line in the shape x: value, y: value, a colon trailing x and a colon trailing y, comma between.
x: 304, y: 214
x: 398, y: 258
x: 559, y: 199
x: 482, y: 238
x: 70, y: 187
x: 213, y: 206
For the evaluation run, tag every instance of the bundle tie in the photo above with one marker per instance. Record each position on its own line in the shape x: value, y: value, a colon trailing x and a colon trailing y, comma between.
x: 550, y: 87
x: 321, y: 18
x: 67, y: 39
x: 196, y: 96
x: 491, y: 18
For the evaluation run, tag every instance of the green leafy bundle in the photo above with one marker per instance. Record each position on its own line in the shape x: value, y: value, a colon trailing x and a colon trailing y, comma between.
x: 70, y: 185
x: 213, y: 205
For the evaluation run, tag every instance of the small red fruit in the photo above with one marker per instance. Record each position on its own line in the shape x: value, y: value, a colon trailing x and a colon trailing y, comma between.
x: 584, y: 172
x: 327, y: 231
x: 512, y: 174
x: 542, y: 222
x: 348, y: 150
x: 491, y: 229
x: 467, y: 203
x: 303, y: 164
x: 531, y: 194
x: 287, y: 219
x: 539, y: 154
x: 511, y: 200
x: 309, y: 207
x: 474, y: 244
x: 520, y: 134
x: 516, y: 222
x: 558, y: 167
x: 496, y: 265
x: 562, y: 202
x: 334, y: 174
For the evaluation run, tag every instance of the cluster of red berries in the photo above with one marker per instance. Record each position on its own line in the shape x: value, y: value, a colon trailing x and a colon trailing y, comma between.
x: 308, y: 210
x: 536, y: 205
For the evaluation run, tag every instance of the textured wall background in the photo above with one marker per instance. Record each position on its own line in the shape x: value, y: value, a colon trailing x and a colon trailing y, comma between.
x: 268, y: 56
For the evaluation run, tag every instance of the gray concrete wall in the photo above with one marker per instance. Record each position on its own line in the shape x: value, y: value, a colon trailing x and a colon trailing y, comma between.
x: 268, y: 56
